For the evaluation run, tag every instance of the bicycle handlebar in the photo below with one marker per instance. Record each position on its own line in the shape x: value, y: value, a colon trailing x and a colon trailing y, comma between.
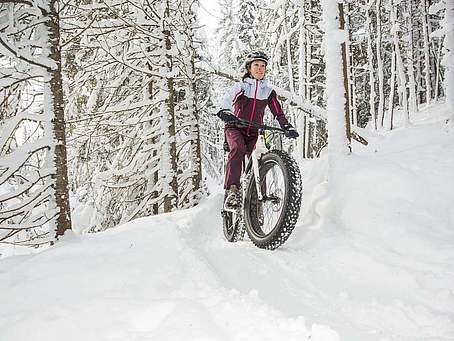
x: 242, y: 123
x: 255, y: 125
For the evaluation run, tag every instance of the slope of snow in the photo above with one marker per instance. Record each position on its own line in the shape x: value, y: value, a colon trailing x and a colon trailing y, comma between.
x: 371, y: 259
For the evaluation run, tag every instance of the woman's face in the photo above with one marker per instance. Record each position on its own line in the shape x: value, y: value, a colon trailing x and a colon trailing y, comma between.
x: 257, y: 69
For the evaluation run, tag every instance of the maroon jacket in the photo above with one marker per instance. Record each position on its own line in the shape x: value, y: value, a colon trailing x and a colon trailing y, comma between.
x: 248, y: 100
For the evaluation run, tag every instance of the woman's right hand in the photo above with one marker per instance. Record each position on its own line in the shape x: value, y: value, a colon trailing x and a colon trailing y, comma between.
x: 226, y: 115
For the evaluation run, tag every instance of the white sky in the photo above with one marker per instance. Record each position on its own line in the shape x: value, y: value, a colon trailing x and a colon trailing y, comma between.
x: 208, y: 15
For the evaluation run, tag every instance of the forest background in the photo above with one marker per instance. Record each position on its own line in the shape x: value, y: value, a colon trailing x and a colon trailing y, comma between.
x: 108, y: 105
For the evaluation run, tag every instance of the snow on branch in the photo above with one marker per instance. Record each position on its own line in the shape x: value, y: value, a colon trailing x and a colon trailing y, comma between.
x: 23, y: 2
x: 12, y: 51
x: 11, y: 162
x: 11, y: 125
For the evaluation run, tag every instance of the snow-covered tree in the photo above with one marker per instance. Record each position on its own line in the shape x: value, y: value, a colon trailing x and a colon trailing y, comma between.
x: 231, y: 48
x: 447, y: 30
x: 448, y: 26
x: 139, y: 102
x: 334, y: 47
x: 249, y: 35
x: 413, y: 104
x: 188, y: 108
x: 139, y: 122
x: 34, y: 205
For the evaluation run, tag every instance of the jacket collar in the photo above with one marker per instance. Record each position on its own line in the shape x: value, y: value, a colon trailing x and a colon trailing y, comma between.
x: 262, y: 82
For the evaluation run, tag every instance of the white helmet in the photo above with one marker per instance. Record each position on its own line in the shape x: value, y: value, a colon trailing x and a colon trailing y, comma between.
x: 256, y: 55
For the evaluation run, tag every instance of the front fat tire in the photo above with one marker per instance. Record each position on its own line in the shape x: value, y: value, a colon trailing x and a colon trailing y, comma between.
x: 291, y: 202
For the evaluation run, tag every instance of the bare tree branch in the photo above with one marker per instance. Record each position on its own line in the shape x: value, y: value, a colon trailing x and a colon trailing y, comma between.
x: 18, y: 55
x: 23, y: 2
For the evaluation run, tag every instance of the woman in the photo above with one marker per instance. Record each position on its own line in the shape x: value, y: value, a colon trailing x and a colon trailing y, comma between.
x: 247, y: 100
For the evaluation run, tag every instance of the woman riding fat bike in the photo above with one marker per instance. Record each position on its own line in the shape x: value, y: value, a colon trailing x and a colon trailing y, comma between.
x: 247, y: 100
x: 263, y: 190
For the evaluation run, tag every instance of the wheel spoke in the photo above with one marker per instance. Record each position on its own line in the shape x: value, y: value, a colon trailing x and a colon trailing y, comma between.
x: 272, y: 205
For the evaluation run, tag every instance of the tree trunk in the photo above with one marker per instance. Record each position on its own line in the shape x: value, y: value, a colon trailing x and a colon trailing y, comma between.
x: 338, y: 124
x: 392, y: 89
x: 381, y: 91
x: 448, y: 60
x: 63, y: 221
x: 370, y: 58
x: 171, y: 199
x: 310, y: 55
x: 426, y: 29
x: 302, y: 53
x: 438, y: 72
x: 402, y: 79
x: 413, y: 104
x: 289, y: 59
x: 350, y: 72
x: 345, y: 69
x: 196, y: 147
x: 306, y: 138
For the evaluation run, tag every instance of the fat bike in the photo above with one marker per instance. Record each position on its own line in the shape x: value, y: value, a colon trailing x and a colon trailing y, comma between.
x: 271, y: 192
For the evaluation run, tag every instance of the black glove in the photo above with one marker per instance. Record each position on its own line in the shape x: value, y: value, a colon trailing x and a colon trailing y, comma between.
x: 290, y: 132
x: 226, y: 116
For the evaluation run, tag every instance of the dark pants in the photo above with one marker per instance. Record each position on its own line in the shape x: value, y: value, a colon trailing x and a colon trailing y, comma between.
x: 240, y: 144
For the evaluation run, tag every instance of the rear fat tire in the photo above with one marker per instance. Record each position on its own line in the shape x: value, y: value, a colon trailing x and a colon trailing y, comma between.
x: 290, y: 207
x: 233, y: 232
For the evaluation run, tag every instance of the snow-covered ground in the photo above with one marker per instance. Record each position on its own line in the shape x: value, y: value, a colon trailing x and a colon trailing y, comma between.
x: 372, y: 258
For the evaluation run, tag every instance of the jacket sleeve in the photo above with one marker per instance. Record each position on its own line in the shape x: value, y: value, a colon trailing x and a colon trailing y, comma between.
x: 276, y: 109
x: 231, y: 97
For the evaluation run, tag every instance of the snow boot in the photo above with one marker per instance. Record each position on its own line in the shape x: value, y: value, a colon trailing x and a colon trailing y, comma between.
x: 232, y: 198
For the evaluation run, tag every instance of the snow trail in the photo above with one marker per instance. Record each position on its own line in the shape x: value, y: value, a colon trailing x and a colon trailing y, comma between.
x: 372, y: 260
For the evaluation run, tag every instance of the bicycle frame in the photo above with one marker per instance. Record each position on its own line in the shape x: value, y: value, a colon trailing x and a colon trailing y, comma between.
x: 259, y: 149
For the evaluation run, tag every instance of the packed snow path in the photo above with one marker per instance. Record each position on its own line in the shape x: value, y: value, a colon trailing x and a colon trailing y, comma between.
x: 372, y: 259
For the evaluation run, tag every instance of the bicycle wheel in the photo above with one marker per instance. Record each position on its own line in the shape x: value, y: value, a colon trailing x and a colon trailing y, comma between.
x: 270, y: 222
x: 233, y: 225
